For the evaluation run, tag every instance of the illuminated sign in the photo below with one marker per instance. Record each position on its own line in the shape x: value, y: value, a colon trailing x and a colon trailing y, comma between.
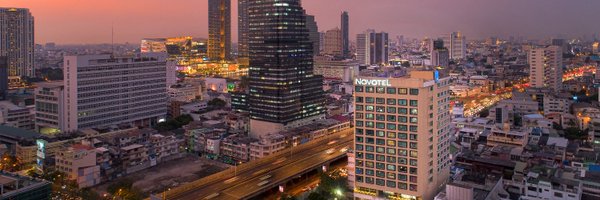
x: 360, y: 81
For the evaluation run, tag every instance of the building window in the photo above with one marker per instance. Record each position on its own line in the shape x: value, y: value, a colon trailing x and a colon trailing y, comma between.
x: 369, y: 100
x: 402, y: 102
x: 402, y: 144
x: 414, y: 91
x: 380, y: 109
x: 359, y: 123
x: 391, y: 126
x: 380, y: 100
x: 391, y: 110
x: 403, y: 111
x: 414, y: 120
x: 359, y: 108
x: 391, y: 134
x: 381, y: 90
x: 380, y: 117
x: 391, y: 184
x: 391, y: 101
x: 402, y: 91
x: 359, y: 99
x: 391, y: 118
x: 370, y: 89
x: 380, y: 133
x: 369, y: 116
x: 414, y: 111
x: 359, y: 88
x: 370, y: 108
x: 391, y: 90
x: 380, y: 125
x: 414, y: 103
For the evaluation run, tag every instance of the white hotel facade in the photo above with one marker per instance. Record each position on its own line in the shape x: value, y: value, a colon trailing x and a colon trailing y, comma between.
x: 101, y: 90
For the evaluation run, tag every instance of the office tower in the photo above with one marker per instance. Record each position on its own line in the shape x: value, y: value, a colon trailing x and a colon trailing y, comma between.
x: 439, y: 54
x: 243, y: 32
x: 345, y: 34
x: 562, y: 43
x: 101, y: 90
x: 456, y: 43
x: 322, y: 42
x: 313, y: 33
x: 17, y: 41
x: 49, y: 107
x: 401, y: 135
x: 3, y: 76
x: 372, y: 48
x: 595, y: 47
x: 545, y: 67
x: 333, y: 42
x: 219, y: 30
x: 284, y: 93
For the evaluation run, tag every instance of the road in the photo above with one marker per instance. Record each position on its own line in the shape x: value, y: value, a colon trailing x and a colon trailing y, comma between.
x: 240, y: 183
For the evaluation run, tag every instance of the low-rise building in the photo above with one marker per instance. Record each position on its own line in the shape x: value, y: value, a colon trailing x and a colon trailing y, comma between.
x: 16, y: 116
x: 79, y: 163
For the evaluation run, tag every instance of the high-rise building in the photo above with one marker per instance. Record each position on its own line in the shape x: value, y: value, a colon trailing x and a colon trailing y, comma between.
x: 49, y: 107
x: 333, y: 42
x: 101, y: 90
x: 456, y: 43
x: 440, y: 56
x: 219, y: 30
x: 596, y: 47
x: 243, y: 32
x: 545, y: 67
x: 402, y: 136
x: 372, y: 48
x: 284, y: 93
x: 562, y: 43
x: 345, y: 34
x: 17, y: 41
x: 322, y: 42
x: 313, y: 33
x: 3, y: 76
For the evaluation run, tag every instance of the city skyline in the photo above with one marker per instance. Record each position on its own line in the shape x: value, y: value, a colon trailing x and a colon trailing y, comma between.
x: 55, y: 21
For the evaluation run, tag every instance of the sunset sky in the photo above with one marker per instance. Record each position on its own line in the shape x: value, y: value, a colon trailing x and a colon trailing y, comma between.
x: 89, y: 21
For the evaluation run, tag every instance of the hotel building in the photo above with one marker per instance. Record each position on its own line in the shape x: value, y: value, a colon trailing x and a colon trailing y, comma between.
x: 401, y: 136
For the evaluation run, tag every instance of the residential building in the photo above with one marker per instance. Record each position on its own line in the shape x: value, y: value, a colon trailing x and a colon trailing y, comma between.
x: 49, y: 107
x: 16, y: 116
x: 79, y: 163
x: 402, y: 133
x: 164, y: 147
x: 284, y: 92
x: 3, y: 77
x: 333, y: 42
x: 17, y: 39
x: 330, y: 68
x: 372, y: 48
x: 552, y: 184
x: 546, y: 67
x: 440, y: 57
x: 219, y: 30
x: 102, y: 90
x: 267, y: 145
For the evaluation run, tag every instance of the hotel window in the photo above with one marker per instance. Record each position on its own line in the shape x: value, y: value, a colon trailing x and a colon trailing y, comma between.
x: 402, y: 128
x: 412, y: 170
x: 380, y: 90
x: 380, y: 166
x: 380, y: 150
x: 402, y: 177
x: 403, y: 152
x: 380, y: 158
x: 370, y: 108
x: 391, y: 143
x: 358, y: 88
x: 380, y: 125
x: 391, y: 118
x: 414, y: 103
x: 380, y: 142
x: 413, y: 179
x: 391, y: 101
x: 369, y: 116
x: 369, y: 148
x: 359, y: 139
x: 403, y: 111
x: 391, y: 134
x: 359, y: 108
x: 370, y: 132
x: 359, y: 123
x: 369, y: 89
x: 369, y: 172
x: 413, y: 145
x: 413, y: 187
x: 391, y: 151
x: 402, y: 119
x: 414, y: 154
x: 370, y: 156
x: 369, y: 100
x: 359, y: 170
x: 413, y: 162
x: 359, y: 155
x: 370, y: 164
x: 359, y: 131
x: 380, y: 117
x: 402, y: 91
x: 359, y: 99
x: 370, y: 140
x: 391, y: 90
x: 391, y: 126
x: 391, y: 184
x: 359, y: 115
x: 402, y: 102
x: 369, y: 180
x: 414, y: 111
x: 391, y: 159
x: 414, y: 91
x: 402, y: 186
x: 359, y: 147
x: 413, y: 136
x: 402, y: 136
x: 380, y: 100
x: 391, y: 110
x: 402, y: 144
x: 380, y: 109
x: 414, y: 120
x: 414, y: 128
x: 402, y: 169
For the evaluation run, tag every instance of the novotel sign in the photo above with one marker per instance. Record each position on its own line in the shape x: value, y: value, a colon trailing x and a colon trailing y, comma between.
x: 372, y: 82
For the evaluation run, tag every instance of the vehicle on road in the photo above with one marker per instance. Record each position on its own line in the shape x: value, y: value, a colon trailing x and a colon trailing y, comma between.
x: 265, y: 177
x: 263, y: 183
x: 330, y: 151
x: 212, y: 196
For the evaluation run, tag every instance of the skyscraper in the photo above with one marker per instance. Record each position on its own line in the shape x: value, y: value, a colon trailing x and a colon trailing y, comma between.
x: 545, y: 67
x: 101, y: 90
x: 333, y: 42
x: 313, y: 33
x: 345, y: 34
x: 219, y: 30
x: 372, y: 48
x: 284, y: 93
x: 17, y: 40
x: 243, y: 32
x: 401, y: 136
x: 456, y: 43
x: 439, y: 54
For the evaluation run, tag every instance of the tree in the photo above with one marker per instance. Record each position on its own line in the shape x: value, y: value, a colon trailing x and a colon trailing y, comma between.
x: 217, y: 103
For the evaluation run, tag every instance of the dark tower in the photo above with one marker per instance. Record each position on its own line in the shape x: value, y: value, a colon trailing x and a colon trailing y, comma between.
x: 345, y: 34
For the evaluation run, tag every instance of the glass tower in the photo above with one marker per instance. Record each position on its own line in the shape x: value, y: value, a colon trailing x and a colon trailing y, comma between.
x: 282, y: 86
